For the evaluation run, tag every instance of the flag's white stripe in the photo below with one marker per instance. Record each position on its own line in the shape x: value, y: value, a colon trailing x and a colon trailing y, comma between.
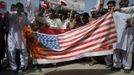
x: 70, y: 42
x: 108, y: 16
x: 81, y: 51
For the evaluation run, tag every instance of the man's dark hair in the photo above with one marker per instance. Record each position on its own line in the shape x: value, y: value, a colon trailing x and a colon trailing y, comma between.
x: 85, y: 15
x: 19, y: 5
x: 52, y: 11
x: 13, y: 6
x: 111, y: 2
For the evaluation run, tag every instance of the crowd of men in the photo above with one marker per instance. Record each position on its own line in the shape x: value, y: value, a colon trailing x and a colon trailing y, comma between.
x: 12, y: 23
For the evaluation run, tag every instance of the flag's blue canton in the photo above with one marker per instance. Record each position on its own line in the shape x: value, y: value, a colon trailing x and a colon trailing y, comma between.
x: 49, y: 41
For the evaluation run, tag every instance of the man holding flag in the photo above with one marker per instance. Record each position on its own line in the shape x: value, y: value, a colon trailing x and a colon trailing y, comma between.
x: 123, y: 54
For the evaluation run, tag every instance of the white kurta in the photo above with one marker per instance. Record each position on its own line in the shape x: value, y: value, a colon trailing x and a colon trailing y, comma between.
x: 123, y: 54
x: 16, y: 41
x: 15, y: 31
x: 125, y: 40
x: 130, y: 10
x: 54, y: 23
x: 124, y: 36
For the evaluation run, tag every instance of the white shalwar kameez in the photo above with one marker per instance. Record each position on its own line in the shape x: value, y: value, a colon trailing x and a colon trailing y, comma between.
x: 16, y: 41
x: 124, y: 47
